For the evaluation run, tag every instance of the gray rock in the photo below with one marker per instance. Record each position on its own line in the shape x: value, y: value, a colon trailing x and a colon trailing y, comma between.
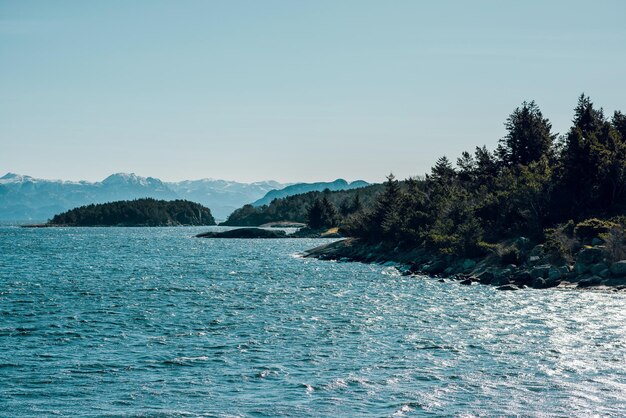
x: 539, y: 283
x: 245, y: 233
x: 545, y: 283
x: 589, y: 256
x: 508, y: 287
x: 615, y: 281
x: 618, y: 269
x: 595, y: 269
x: 555, y: 274
x: 436, y: 267
x: 540, y: 271
x: 468, y: 264
x: 522, y: 278
x: 486, y: 277
x: 591, y: 281
x: 467, y: 282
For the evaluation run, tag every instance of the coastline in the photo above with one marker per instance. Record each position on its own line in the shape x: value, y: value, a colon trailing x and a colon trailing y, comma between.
x: 590, y: 271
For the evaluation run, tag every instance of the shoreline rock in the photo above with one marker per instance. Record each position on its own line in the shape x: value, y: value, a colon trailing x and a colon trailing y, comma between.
x: 590, y: 270
x: 254, y: 232
x: 246, y: 233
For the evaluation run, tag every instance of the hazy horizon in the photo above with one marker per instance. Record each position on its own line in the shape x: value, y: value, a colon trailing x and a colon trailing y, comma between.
x: 291, y: 92
x: 176, y: 180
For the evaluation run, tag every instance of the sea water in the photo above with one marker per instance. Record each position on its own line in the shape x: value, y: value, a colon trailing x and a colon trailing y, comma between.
x: 155, y: 322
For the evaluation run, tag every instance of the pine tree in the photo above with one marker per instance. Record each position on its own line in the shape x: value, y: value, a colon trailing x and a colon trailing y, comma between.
x: 529, y: 136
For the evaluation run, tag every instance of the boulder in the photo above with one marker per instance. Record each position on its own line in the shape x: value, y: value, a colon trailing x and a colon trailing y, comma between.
x: 468, y: 265
x: 589, y: 256
x: 436, y: 267
x: 508, y: 287
x: 618, y: 269
x: 618, y: 282
x: 539, y: 283
x: 449, y: 271
x: 501, y: 277
x: 595, y: 269
x: 486, y: 277
x: 591, y: 281
x: 555, y: 274
x: 523, y: 277
x: 467, y: 282
x: 540, y: 271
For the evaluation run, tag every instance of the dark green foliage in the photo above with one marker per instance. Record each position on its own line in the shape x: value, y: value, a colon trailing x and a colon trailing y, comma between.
x: 140, y: 212
x: 592, y: 228
x: 322, y: 214
x: 295, y: 208
x: 529, y: 136
x: 527, y: 187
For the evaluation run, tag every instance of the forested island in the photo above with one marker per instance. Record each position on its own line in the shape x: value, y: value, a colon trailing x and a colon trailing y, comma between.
x: 538, y: 210
x: 139, y: 212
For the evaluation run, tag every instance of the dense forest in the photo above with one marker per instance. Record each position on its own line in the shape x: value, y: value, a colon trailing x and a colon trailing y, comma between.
x: 332, y: 207
x: 139, y: 212
x: 561, y: 190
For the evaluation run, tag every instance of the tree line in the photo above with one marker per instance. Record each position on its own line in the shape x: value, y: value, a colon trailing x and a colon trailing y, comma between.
x: 532, y: 183
x: 139, y: 212
x: 318, y: 209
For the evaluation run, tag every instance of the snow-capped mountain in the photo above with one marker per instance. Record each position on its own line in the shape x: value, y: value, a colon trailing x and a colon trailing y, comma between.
x: 222, y: 196
x: 24, y: 198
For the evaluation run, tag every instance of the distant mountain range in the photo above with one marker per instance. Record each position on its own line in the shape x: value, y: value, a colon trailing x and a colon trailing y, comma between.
x: 339, y: 184
x: 27, y: 199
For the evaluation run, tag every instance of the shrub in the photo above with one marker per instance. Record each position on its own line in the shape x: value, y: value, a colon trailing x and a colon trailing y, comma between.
x: 592, y: 228
x: 615, y: 244
x: 558, y: 245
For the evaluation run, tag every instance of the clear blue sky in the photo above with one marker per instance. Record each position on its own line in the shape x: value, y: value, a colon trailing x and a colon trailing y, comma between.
x: 289, y: 90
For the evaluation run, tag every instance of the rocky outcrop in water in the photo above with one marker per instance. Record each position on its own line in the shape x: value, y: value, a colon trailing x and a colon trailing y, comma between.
x: 245, y: 233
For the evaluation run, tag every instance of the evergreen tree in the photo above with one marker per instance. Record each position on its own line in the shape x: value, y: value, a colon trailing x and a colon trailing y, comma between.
x: 528, y: 137
x: 322, y: 214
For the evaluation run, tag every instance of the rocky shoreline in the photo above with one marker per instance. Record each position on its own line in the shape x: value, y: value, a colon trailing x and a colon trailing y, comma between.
x: 253, y: 232
x: 590, y: 270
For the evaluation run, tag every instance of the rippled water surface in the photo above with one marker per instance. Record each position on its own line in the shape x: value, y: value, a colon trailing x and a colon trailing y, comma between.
x: 134, y: 322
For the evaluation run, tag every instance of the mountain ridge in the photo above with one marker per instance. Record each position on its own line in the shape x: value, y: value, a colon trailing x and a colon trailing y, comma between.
x: 24, y: 198
x: 298, y: 188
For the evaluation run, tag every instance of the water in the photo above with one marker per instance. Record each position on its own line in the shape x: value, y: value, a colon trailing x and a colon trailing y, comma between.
x: 145, y: 322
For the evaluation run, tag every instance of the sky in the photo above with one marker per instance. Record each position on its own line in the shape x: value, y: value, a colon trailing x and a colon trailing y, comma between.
x: 289, y: 90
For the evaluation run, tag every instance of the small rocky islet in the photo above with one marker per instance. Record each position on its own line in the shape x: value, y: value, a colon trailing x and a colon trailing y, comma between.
x: 269, y: 233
